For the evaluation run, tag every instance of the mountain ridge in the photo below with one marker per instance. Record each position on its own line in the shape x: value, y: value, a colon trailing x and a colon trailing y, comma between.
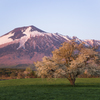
x: 25, y: 45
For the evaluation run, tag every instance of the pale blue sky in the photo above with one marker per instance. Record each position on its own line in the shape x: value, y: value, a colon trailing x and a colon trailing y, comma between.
x: 79, y: 18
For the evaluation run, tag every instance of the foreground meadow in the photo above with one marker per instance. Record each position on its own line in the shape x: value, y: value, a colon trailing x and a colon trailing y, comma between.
x: 54, y: 89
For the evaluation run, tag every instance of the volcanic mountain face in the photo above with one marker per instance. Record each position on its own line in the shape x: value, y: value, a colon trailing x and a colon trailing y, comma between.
x: 28, y: 44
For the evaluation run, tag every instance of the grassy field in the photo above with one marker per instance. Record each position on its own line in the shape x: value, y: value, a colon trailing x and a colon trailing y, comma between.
x: 44, y: 89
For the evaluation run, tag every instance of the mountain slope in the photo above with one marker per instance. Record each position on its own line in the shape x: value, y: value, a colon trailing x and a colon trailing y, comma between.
x: 25, y: 45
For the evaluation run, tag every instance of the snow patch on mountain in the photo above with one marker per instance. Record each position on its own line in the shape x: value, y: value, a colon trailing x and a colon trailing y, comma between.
x: 28, y: 34
x: 22, y: 42
x: 67, y: 38
x: 5, y: 39
x: 32, y: 33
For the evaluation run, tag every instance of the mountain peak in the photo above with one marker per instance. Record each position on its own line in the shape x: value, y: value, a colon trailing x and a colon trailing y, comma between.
x: 22, y: 29
x: 33, y: 28
x: 20, y: 32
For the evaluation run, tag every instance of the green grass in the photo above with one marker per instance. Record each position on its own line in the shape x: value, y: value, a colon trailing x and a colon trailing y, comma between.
x: 43, y: 89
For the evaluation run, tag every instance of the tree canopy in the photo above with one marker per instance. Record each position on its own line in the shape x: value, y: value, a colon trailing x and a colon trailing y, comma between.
x: 69, y: 61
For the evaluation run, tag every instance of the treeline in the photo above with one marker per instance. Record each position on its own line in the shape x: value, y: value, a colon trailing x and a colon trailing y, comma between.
x: 10, y: 73
x: 88, y: 76
x: 19, y: 66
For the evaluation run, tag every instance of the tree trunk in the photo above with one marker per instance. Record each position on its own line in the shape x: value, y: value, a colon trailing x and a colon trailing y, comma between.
x: 72, y: 82
x: 72, y: 79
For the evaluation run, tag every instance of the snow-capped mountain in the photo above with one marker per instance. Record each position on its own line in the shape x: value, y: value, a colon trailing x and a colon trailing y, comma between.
x: 25, y: 45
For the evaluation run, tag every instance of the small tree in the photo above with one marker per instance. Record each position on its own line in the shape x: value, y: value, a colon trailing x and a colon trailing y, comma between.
x: 13, y: 75
x: 68, y: 61
x: 28, y: 69
x: 20, y: 75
